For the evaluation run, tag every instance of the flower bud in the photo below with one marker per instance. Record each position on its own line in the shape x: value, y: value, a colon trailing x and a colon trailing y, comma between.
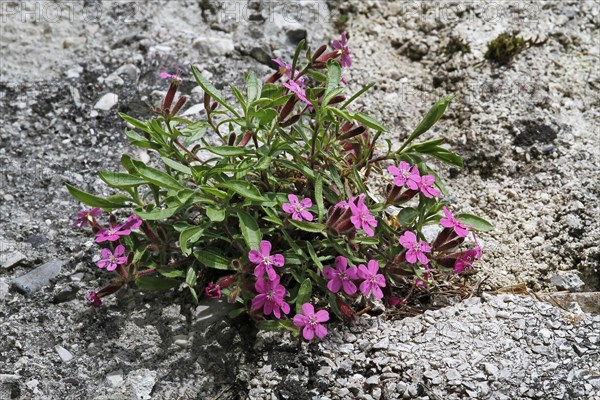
x: 206, y: 101
x: 231, y: 140
x: 337, y: 99
x: 353, y: 132
x: 319, y: 52
x: 178, y: 105
x: 291, y: 121
x: 347, y: 312
x: 399, y: 195
x: 287, y: 108
x: 170, y: 96
x: 245, y: 139
x: 226, y: 281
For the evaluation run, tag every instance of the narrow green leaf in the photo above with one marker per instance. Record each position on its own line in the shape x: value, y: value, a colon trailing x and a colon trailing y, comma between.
x: 190, y: 234
x: 211, y: 90
x: 253, y: 86
x: 190, y: 277
x: 135, y: 122
x: 177, y: 166
x: 250, y: 230
x: 475, y: 222
x: 211, y: 259
x: 308, y: 226
x: 157, y: 177
x: 154, y: 283
x: 171, y: 273
x: 370, y: 122
x: 357, y: 94
x: 304, y: 295
x: 157, y: 214
x: 432, y: 116
x: 120, y: 180
x: 319, y: 197
x: 243, y: 188
x: 313, y: 255
x: 227, y: 151
x: 299, y: 48
x: 91, y: 200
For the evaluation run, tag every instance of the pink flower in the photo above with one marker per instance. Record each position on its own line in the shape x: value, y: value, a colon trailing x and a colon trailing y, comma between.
x: 270, y: 297
x: 112, y: 234
x: 166, y: 75
x: 395, y: 301
x: 361, y: 216
x: 110, y: 260
x: 85, y: 216
x: 425, y: 185
x: 450, y: 221
x: 373, y: 282
x: 298, y: 90
x: 284, y: 68
x: 265, y: 261
x: 344, y: 51
x: 298, y: 208
x: 405, y: 173
x: 414, y: 250
x: 213, y: 291
x: 133, y: 222
x: 94, y: 299
x: 311, y: 322
x: 341, y: 276
x: 466, y: 259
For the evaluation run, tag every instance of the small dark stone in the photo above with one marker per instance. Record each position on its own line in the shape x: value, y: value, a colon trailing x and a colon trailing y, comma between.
x: 36, y: 240
x: 296, y: 35
x: 66, y: 294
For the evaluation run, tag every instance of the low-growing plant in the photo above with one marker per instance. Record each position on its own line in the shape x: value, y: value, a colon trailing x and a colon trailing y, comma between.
x: 506, y: 46
x: 266, y: 201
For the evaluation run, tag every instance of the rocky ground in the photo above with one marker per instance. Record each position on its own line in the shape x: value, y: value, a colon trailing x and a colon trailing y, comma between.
x: 529, y: 133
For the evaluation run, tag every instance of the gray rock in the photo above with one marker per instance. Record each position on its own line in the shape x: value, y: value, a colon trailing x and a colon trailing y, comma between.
x: 3, y: 289
x: 453, y: 375
x: 568, y: 281
x: 106, y: 102
x: 67, y: 293
x: 10, y: 257
x: 38, y: 278
x: 209, y: 311
x: 64, y: 354
x: 130, y: 71
x: 115, y: 378
x: 214, y: 46
x: 141, y: 382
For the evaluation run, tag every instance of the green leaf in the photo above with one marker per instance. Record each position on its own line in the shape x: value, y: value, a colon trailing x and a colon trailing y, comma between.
x: 299, y: 48
x: 171, y: 273
x: 357, y: 94
x: 407, y: 216
x: 177, y: 166
x: 432, y: 116
x: 127, y: 163
x: 211, y: 259
x: 120, y: 180
x: 308, y: 226
x: 334, y: 75
x: 475, y: 222
x: 244, y: 189
x: 154, y: 283
x: 370, y: 122
x: 215, y: 214
x: 236, y: 313
x: 269, y: 325
x: 91, y: 200
x: 250, y: 230
x: 313, y: 255
x: 253, y: 86
x: 190, y: 234
x: 304, y: 295
x: 319, y: 197
x: 157, y: 177
x: 157, y: 214
x: 135, y: 122
x: 371, y: 241
x: 191, y: 276
x: 227, y: 151
x: 211, y: 90
x: 194, y: 294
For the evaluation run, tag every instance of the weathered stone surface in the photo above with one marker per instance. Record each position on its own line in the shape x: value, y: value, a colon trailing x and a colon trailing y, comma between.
x: 38, y: 278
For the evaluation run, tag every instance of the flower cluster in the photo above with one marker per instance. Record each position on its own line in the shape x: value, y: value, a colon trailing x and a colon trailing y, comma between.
x: 278, y: 216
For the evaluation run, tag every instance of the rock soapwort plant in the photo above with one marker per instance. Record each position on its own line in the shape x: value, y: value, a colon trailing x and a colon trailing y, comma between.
x: 266, y: 202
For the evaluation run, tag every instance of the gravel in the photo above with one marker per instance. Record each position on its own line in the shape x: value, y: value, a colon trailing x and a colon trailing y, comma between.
x: 528, y: 133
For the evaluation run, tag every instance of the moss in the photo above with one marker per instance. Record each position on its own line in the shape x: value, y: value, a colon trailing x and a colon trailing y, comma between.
x: 506, y: 46
x: 455, y: 44
x: 341, y: 23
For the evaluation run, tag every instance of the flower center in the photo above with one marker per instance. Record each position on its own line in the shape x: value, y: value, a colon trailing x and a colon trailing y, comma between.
x: 312, y: 320
x: 342, y: 276
x: 270, y: 295
x: 267, y: 260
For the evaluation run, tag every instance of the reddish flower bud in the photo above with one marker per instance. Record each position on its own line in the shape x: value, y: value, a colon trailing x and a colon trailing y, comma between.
x: 351, y: 133
x: 291, y: 121
x: 213, y: 291
x: 178, y: 105
x: 287, y: 108
x: 231, y: 140
x: 347, y: 312
x: 245, y: 139
x: 170, y: 96
x: 319, y: 52
x: 323, y: 59
x: 206, y: 101
x: 233, y: 295
x: 226, y: 281
x: 337, y: 99
x: 273, y: 78
x: 399, y: 195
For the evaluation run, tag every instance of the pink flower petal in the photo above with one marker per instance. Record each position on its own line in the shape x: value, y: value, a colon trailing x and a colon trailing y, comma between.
x: 265, y: 248
x: 308, y: 309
